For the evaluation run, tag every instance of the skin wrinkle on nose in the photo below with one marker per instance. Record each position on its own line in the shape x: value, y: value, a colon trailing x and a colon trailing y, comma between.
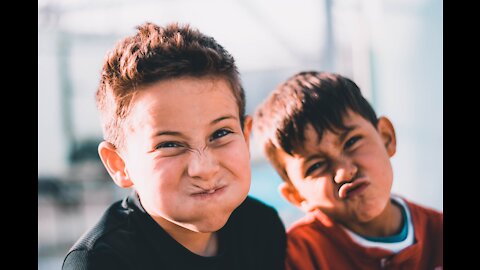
x: 199, y: 152
x: 199, y: 160
x: 197, y: 170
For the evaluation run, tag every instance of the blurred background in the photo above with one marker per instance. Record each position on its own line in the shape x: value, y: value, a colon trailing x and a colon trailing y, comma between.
x: 393, y: 49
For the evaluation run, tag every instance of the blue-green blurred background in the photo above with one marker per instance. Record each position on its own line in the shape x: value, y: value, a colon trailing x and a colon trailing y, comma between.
x: 393, y: 49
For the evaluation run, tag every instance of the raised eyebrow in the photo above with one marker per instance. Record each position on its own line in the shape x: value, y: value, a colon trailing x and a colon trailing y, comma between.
x: 215, y: 121
x: 169, y: 132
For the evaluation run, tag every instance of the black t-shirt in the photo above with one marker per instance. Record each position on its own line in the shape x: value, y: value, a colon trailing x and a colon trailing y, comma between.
x: 126, y: 237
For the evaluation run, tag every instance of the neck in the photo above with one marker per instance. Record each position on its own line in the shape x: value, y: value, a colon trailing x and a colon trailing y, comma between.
x: 203, y: 244
x: 388, y: 223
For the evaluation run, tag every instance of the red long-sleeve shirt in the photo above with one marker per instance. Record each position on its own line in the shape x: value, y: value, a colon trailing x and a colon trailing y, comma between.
x: 316, y: 242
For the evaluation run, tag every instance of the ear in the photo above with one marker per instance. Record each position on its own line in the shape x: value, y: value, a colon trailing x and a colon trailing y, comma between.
x: 387, y: 132
x: 290, y: 193
x: 114, y: 164
x: 247, y: 128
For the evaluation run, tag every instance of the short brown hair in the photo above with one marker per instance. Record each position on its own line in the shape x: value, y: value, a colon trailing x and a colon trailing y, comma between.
x: 153, y: 54
x: 318, y: 98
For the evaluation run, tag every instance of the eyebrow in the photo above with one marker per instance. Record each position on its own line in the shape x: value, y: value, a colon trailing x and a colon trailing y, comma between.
x: 348, y: 129
x: 177, y: 133
x: 311, y: 157
x: 222, y: 118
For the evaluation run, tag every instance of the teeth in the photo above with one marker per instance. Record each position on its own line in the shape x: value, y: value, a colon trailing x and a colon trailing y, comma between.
x: 211, y: 191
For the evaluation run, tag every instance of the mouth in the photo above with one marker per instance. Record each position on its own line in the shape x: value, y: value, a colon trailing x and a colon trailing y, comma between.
x: 352, y: 189
x: 209, y: 193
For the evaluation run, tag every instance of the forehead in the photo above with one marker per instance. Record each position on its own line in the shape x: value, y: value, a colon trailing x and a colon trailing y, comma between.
x: 183, y: 102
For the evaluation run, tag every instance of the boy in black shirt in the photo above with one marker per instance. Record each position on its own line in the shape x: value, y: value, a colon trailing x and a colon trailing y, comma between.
x: 175, y: 130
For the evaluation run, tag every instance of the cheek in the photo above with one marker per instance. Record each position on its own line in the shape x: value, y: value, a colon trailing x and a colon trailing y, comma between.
x: 161, y: 183
x: 378, y: 167
x: 159, y: 174
x: 168, y: 166
x: 376, y: 160
x: 235, y: 158
x: 319, y: 191
x: 387, y: 176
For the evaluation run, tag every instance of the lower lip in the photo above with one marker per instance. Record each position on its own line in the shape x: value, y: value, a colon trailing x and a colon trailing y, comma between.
x: 357, y: 190
x: 209, y: 196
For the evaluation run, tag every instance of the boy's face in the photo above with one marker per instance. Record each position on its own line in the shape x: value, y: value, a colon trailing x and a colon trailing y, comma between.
x: 186, y: 154
x: 347, y: 175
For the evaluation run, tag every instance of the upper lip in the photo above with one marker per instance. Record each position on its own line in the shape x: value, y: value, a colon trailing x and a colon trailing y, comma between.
x: 202, y: 190
x: 346, y: 187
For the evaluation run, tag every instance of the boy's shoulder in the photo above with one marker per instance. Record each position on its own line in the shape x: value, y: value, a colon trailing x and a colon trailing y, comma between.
x: 315, y: 222
x: 108, y: 234
x: 424, y: 216
x: 414, y: 206
x: 112, y: 219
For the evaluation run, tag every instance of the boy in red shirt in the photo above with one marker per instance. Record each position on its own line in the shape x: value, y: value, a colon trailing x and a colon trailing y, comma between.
x: 333, y: 153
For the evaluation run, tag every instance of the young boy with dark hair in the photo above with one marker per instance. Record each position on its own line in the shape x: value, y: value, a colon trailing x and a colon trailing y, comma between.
x: 333, y: 153
x: 175, y: 131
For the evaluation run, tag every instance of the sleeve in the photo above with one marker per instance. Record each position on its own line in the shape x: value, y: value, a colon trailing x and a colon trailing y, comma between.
x: 93, y: 260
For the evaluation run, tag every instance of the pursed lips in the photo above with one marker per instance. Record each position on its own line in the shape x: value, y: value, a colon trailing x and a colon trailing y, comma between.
x: 207, y: 191
x: 352, y: 188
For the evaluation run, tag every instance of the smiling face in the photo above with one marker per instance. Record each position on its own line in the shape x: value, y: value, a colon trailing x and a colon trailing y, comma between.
x: 346, y: 175
x: 186, y: 154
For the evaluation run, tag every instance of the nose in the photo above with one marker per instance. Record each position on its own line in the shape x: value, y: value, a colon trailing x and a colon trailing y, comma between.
x: 203, y: 165
x: 344, y: 171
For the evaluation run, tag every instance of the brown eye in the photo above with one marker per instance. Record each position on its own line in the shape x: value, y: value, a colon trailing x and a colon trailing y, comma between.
x: 352, y: 141
x: 314, y: 167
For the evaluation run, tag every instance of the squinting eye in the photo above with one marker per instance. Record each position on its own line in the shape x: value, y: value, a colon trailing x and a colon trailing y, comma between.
x: 352, y: 141
x: 167, y: 145
x: 313, y: 168
x: 220, y: 133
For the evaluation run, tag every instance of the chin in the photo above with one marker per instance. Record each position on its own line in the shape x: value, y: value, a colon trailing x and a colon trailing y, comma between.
x: 213, y: 219
x: 369, y: 214
x: 209, y: 225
